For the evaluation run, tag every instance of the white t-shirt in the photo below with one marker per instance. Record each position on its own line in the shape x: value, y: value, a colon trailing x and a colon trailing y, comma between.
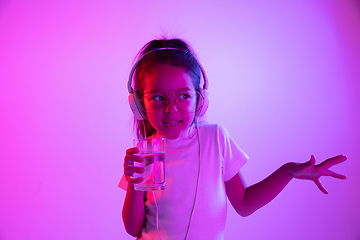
x: 220, y: 160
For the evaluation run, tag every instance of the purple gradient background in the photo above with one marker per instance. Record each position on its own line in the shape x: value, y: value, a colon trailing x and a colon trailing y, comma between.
x: 284, y: 80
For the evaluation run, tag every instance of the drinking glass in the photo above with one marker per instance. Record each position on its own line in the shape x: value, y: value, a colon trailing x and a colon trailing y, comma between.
x: 153, y: 152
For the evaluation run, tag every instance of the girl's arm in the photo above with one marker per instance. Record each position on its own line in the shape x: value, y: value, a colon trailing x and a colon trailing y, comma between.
x: 247, y: 200
x: 134, y: 209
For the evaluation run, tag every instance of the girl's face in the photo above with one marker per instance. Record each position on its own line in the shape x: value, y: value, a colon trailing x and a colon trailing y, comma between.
x: 171, y: 120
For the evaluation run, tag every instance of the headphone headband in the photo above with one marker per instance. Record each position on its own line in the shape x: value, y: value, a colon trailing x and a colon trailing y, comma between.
x: 131, y: 90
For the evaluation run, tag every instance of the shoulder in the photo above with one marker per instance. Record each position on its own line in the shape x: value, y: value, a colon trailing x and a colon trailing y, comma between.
x: 213, y: 129
x: 208, y: 128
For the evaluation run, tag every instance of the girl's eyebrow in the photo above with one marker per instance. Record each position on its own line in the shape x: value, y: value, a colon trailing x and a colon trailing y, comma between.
x: 180, y: 89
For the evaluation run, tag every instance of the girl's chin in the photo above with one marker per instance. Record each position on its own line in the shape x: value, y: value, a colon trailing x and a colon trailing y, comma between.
x: 169, y: 134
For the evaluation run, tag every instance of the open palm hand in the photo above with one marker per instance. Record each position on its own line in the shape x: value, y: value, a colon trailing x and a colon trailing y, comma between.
x: 310, y: 171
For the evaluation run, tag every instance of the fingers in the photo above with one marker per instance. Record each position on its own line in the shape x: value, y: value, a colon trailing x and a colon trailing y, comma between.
x: 310, y: 163
x: 320, y: 186
x: 130, y: 170
x: 133, y: 180
x: 129, y: 164
x: 312, y: 160
x: 328, y: 163
x: 132, y: 150
x: 130, y: 156
x: 131, y: 159
x: 130, y: 167
x: 333, y: 174
x: 313, y: 172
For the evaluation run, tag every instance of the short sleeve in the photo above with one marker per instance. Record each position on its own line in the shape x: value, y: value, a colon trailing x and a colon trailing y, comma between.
x: 234, y: 157
x: 123, y: 183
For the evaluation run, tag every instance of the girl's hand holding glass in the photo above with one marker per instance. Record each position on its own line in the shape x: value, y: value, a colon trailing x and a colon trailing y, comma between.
x: 144, y: 165
x: 310, y: 171
x: 129, y: 166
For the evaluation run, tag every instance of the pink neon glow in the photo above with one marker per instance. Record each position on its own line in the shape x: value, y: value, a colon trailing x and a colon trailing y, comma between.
x: 283, y: 79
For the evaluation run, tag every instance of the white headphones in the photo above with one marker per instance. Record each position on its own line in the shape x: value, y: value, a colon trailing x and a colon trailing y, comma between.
x: 134, y: 98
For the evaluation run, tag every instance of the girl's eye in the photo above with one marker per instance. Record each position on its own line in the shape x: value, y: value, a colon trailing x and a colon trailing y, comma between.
x: 158, y: 98
x: 184, y: 95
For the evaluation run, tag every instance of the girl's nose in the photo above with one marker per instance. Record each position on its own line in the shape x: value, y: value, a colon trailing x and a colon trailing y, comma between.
x: 171, y: 106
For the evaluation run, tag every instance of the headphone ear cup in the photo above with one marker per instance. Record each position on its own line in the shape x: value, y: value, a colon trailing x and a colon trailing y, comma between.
x: 205, y: 103
x: 136, y: 106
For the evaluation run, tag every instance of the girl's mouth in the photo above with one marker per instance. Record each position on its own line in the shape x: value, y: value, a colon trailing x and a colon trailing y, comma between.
x: 172, y: 123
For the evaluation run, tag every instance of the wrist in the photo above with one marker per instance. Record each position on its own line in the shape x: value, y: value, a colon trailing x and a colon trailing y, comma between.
x: 289, y: 169
x: 131, y: 188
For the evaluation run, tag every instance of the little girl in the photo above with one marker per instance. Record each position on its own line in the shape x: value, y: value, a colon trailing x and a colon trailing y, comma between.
x: 202, y: 160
